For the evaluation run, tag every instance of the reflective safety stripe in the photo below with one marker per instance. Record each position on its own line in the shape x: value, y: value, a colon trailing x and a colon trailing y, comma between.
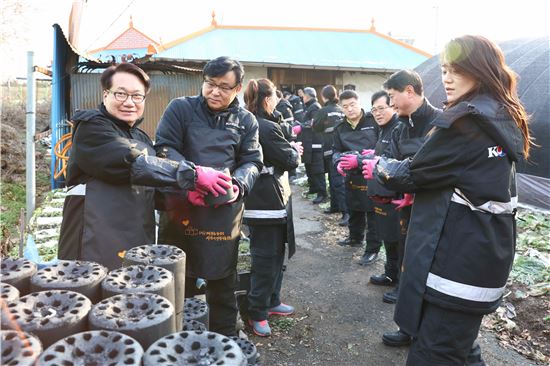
x: 463, y: 291
x: 265, y: 214
x: 78, y: 190
x: 327, y: 153
x: 268, y: 170
x: 289, y: 119
x: 328, y: 130
x: 493, y: 207
x: 316, y: 146
x: 298, y: 110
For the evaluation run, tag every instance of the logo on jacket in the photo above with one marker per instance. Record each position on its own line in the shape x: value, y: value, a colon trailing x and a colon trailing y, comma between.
x: 496, y: 152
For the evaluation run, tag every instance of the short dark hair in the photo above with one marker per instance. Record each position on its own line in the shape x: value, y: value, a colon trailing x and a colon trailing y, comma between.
x: 107, y: 75
x: 329, y: 93
x: 349, y: 87
x: 348, y: 94
x: 286, y: 93
x: 279, y: 94
x: 402, y: 78
x: 221, y: 66
x: 379, y: 94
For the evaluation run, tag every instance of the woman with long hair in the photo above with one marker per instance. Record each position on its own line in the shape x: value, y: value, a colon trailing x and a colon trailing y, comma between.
x: 268, y: 210
x: 461, y: 239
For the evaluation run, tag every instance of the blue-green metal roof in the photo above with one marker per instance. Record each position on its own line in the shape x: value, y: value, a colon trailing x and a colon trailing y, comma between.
x: 318, y: 48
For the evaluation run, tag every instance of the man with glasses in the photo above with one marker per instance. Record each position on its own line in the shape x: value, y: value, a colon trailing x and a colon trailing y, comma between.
x: 109, y: 208
x: 211, y: 130
x: 356, y: 133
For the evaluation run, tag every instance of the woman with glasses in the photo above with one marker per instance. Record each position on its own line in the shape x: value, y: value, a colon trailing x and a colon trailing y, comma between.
x: 112, y: 168
x: 268, y: 210
x: 461, y: 238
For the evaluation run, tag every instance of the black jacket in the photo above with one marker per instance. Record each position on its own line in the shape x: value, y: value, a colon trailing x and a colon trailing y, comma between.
x: 461, y: 238
x: 108, y: 209
x: 190, y: 131
x: 410, y: 134
x: 311, y: 141
x: 269, y: 202
x: 285, y: 108
x: 350, y: 140
x: 298, y: 109
x: 324, y: 123
x: 383, y: 148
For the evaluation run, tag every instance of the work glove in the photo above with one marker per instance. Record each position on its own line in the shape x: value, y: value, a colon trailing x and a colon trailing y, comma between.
x: 367, y: 152
x: 408, y: 199
x: 349, y: 162
x: 196, y: 198
x: 297, y: 146
x: 340, y: 169
x: 296, y: 130
x: 368, y: 167
x: 211, y: 180
x: 381, y: 200
x: 236, y: 192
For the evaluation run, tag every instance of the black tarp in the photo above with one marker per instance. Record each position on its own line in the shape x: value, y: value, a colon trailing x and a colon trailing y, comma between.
x: 530, y: 59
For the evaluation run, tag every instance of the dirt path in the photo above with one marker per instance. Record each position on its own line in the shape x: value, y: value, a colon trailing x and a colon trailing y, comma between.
x: 340, y: 316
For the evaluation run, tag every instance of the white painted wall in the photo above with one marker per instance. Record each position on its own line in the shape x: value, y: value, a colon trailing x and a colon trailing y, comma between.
x: 251, y: 72
x: 365, y: 84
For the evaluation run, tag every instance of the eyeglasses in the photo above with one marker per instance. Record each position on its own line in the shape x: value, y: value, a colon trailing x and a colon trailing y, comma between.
x: 223, y: 88
x: 122, y: 96
x: 378, y: 109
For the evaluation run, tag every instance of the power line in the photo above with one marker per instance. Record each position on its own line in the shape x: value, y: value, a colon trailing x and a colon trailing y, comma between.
x: 106, y: 29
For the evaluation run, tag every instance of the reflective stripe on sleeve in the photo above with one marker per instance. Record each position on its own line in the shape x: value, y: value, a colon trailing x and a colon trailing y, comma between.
x: 316, y: 146
x: 265, y: 214
x: 493, y: 207
x: 78, y: 190
x: 463, y: 291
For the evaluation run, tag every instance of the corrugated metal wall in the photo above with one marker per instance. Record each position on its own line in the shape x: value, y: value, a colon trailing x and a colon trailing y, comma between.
x: 86, y: 94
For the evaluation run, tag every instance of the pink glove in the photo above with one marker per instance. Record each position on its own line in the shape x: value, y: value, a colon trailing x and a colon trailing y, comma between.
x: 297, y: 146
x: 211, y: 180
x: 340, y: 170
x: 368, y: 166
x: 195, y: 198
x: 296, y: 130
x: 349, y: 162
x: 367, y: 152
x: 408, y: 199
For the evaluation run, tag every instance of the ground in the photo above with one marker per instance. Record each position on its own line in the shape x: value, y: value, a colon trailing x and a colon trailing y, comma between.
x: 340, y: 316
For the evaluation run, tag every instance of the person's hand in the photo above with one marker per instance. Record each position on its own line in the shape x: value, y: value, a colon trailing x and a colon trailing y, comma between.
x: 408, y: 199
x: 367, y: 152
x: 340, y: 170
x: 381, y: 200
x: 196, y: 198
x: 297, y: 146
x: 368, y: 167
x: 349, y: 162
x: 236, y: 195
x: 296, y: 130
x: 211, y: 180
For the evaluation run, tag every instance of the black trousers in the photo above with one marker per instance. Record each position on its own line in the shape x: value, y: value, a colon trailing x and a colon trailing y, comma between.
x: 391, y: 268
x: 446, y: 337
x: 267, y: 250
x: 222, y: 305
x: 317, y: 183
x: 357, y: 226
x: 404, y: 219
x: 337, y: 187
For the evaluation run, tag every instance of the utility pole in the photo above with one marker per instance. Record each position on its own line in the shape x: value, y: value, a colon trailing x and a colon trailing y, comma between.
x: 31, y: 128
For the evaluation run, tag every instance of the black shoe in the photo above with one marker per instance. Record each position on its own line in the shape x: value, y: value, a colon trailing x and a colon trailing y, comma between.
x: 391, y: 297
x: 329, y: 211
x: 344, y: 221
x: 319, y: 199
x: 368, y: 258
x: 396, y: 339
x: 383, y: 280
x: 349, y: 242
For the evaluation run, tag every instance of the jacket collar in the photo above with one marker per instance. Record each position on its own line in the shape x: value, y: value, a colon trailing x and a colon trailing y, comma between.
x: 426, y: 113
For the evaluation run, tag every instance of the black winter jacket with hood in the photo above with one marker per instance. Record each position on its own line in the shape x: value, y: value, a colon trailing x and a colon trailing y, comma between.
x: 461, y: 238
x: 325, y: 122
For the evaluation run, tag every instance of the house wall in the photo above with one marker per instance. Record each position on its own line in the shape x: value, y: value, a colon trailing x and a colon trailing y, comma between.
x: 366, y: 84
